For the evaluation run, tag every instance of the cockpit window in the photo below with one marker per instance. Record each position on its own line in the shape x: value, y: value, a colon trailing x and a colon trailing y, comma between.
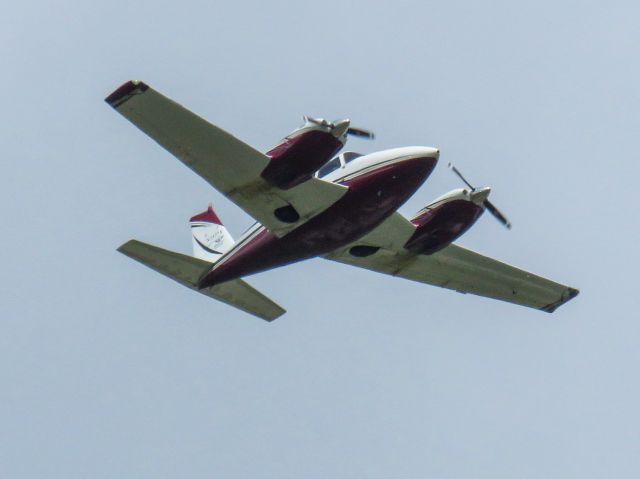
x: 329, y: 167
x: 350, y: 156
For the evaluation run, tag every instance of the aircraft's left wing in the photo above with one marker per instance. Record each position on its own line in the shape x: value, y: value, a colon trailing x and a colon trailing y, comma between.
x: 454, y: 268
x: 225, y: 162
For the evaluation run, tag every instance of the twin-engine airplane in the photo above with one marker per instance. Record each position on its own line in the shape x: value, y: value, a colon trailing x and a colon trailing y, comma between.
x: 309, y: 202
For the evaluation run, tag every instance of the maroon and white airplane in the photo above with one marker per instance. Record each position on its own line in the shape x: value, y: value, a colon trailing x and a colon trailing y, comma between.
x: 309, y: 202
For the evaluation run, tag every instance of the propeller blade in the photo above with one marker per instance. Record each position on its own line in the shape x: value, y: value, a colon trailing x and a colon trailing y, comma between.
x: 362, y: 133
x: 317, y: 121
x: 455, y: 170
x: 496, y: 213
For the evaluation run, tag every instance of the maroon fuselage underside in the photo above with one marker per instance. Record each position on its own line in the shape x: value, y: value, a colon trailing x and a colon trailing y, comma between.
x: 371, y: 198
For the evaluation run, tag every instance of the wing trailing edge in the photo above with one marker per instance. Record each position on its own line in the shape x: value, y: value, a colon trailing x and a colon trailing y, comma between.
x: 454, y: 267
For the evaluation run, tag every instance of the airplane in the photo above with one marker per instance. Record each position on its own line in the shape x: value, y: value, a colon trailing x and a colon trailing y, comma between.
x: 309, y: 201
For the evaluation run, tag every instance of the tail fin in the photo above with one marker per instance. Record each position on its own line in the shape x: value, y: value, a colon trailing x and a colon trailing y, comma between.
x: 210, y: 238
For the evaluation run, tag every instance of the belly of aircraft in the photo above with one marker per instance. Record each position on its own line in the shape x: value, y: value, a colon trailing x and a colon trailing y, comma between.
x: 371, y: 198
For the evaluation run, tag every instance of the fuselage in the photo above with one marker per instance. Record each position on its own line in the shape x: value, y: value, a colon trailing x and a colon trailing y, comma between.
x: 378, y: 184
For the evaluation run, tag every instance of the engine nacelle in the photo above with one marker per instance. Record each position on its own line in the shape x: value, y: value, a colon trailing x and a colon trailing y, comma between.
x: 303, y: 152
x: 445, y: 220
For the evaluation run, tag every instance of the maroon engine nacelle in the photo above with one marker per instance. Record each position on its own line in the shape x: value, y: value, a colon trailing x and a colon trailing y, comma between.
x: 300, y: 155
x: 441, y: 224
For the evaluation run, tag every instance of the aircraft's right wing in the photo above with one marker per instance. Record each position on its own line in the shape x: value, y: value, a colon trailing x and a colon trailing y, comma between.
x: 454, y: 268
x: 226, y: 163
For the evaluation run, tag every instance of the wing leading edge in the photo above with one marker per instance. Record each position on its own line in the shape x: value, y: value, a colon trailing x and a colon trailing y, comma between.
x: 225, y: 162
x: 455, y: 268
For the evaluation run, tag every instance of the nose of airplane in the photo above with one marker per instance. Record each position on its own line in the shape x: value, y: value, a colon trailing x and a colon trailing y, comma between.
x: 420, y: 152
x: 416, y: 163
x: 434, y: 152
x: 423, y: 154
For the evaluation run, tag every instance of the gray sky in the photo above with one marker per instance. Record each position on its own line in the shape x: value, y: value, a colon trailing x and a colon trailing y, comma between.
x: 109, y: 370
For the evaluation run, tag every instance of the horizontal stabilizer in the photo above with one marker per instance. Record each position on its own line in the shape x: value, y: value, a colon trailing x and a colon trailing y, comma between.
x: 187, y: 270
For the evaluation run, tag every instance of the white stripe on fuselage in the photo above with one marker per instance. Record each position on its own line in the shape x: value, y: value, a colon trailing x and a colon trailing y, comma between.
x: 371, y: 162
x: 251, y: 233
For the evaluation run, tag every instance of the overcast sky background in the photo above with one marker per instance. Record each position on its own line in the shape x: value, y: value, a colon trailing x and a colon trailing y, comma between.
x: 110, y: 370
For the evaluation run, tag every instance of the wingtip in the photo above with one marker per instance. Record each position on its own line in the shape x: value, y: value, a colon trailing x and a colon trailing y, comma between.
x: 273, y: 317
x: 125, y: 92
x: 567, y: 296
x: 125, y: 248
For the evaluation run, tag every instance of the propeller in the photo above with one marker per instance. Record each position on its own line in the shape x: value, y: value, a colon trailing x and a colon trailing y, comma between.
x: 486, y: 203
x: 359, y: 132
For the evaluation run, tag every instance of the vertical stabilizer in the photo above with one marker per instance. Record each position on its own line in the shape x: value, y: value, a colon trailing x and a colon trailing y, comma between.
x: 210, y: 238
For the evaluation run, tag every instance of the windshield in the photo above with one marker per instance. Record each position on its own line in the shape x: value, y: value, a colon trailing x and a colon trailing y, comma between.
x: 329, y: 167
x: 350, y: 156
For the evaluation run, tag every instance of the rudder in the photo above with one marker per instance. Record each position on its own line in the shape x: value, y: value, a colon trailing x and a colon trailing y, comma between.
x: 209, y: 236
